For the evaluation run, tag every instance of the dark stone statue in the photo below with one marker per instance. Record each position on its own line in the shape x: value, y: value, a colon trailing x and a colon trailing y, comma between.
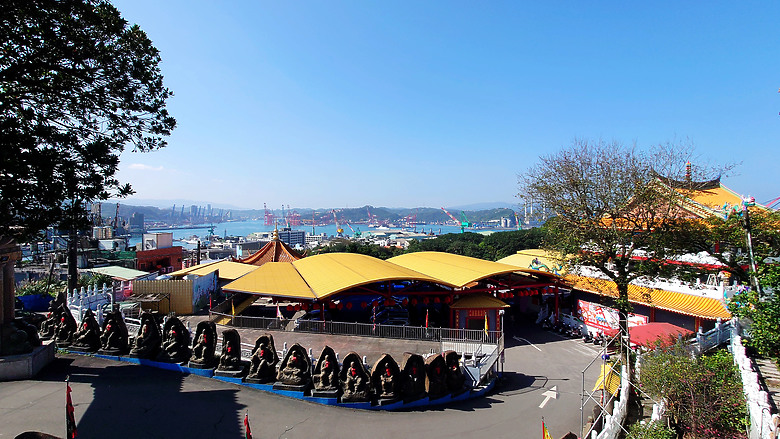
x: 295, y: 369
x: 436, y: 374
x: 147, y: 340
x: 18, y: 337
x: 455, y: 378
x: 87, y: 336
x: 204, y: 346
x: 230, y: 360
x: 326, y: 373
x: 63, y: 333
x: 176, y: 342
x: 412, y: 376
x: 264, y: 360
x: 49, y: 326
x: 385, y: 378
x: 354, y: 380
x: 113, y: 340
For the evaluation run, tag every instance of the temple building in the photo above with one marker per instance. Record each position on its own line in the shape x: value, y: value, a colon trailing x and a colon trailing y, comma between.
x: 275, y: 251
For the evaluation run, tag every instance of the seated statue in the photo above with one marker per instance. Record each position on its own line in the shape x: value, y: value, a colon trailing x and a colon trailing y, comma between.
x: 49, y: 326
x: 326, y: 373
x: 87, y: 336
x: 264, y: 360
x: 176, y: 342
x: 230, y: 360
x: 436, y: 373
x: 385, y: 377
x: 146, y: 343
x: 354, y: 380
x: 413, y: 376
x: 454, y: 377
x: 295, y: 369
x: 18, y: 337
x: 63, y: 333
x: 113, y: 340
x: 204, y: 345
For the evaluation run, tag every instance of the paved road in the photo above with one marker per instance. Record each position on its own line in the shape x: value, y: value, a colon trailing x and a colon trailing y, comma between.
x: 119, y: 400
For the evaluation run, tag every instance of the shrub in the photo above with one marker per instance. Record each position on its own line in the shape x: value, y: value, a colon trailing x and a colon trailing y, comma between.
x: 651, y: 430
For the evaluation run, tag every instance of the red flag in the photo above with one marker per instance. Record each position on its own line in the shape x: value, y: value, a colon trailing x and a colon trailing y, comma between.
x: 70, y: 419
x: 246, y: 426
x: 426, y: 318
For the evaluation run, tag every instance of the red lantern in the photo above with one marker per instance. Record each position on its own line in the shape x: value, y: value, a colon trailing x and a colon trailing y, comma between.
x: 448, y: 300
x: 341, y: 306
x: 426, y: 301
x: 436, y: 300
x: 414, y: 302
x: 405, y: 302
x: 298, y: 307
x: 349, y: 305
x: 363, y: 304
x: 387, y: 302
x: 289, y: 308
x: 331, y: 305
x: 305, y: 306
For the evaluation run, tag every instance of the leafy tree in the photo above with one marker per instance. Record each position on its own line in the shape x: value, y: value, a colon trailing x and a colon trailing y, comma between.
x: 77, y: 86
x: 763, y: 314
x: 703, y: 394
x: 612, y: 203
x: 651, y: 430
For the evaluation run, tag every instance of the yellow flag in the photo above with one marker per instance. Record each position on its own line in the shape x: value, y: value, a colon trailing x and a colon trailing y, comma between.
x: 233, y: 305
x: 545, y: 433
x: 486, y: 323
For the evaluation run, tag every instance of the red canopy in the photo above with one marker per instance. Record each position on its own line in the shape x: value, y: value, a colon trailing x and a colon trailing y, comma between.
x: 645, y: 335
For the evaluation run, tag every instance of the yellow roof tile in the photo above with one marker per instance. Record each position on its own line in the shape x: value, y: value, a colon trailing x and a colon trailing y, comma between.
x: 689, y: 304
x: 536, y: 259
x: 479, y: 301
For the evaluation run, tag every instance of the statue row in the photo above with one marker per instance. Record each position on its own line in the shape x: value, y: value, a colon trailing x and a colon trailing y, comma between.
x: 414, y: 378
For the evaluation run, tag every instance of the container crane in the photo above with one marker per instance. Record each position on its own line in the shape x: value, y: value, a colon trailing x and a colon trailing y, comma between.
x: 339, y: 229
x: 462, y: 223
x: 357, y: 234
x: 517, y: 220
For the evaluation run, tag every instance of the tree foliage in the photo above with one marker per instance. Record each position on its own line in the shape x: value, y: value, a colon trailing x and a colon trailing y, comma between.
x: 703, y: 394
x: 764, y: 314
x: 492, y: 247
x: 77, y: 86
x: 613, y: 203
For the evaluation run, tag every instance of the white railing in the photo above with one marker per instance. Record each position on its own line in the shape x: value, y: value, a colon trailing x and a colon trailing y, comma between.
x: 94, y: 298
x: 762, y: 422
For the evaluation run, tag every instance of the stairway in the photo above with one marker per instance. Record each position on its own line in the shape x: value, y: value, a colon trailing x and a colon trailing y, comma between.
x: 243, y: 301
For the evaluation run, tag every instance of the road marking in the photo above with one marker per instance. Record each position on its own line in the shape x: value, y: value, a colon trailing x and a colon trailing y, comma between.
x: 522, y: 339
x: 552, y: 393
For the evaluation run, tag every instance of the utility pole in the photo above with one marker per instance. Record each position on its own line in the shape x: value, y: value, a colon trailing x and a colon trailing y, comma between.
x: 750, y: 201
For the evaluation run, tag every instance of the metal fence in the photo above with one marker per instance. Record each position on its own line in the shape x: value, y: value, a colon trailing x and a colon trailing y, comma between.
x: 474, y: 336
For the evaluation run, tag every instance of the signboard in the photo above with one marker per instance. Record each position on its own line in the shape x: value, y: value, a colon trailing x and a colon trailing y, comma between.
x: 602, y: 317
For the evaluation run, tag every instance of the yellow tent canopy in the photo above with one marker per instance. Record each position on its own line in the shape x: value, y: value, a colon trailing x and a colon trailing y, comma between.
x: 608, y: 380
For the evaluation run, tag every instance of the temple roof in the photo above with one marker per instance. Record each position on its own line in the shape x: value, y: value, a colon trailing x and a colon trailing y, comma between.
x: 275, y: 251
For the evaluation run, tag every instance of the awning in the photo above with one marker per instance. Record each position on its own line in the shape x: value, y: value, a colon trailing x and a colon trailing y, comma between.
x: 478, y: 302
x: 121, y: 273
x: 647, y: 334
x: 688, y: 304
x: 451, y: 269
x: 228, y: 270
x: 608, y: 380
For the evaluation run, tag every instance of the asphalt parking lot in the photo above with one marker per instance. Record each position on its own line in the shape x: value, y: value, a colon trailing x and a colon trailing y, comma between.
x: 543, y: 378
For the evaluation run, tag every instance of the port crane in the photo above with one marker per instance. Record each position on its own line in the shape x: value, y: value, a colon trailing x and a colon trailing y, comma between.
x: 339, y: 229
x: 463, y: 222
x: 357, y: 234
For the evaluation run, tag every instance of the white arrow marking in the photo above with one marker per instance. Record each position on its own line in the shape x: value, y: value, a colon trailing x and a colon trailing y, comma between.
x: 522, y: 339
x: 552, y: 393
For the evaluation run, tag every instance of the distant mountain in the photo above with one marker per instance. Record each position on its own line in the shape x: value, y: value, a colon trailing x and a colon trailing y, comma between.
x: 484, y: 206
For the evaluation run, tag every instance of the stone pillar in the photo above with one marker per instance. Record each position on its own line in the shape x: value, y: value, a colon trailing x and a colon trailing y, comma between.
x: 9, y: 254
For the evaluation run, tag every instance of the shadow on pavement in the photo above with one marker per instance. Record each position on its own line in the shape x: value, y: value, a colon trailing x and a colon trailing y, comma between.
x: 136, y: 401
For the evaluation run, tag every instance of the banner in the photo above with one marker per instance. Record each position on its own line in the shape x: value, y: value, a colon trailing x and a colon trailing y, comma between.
x: 602, y: 317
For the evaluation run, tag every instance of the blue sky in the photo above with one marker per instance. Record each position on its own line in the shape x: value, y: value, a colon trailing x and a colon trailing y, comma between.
x: 433, y: 103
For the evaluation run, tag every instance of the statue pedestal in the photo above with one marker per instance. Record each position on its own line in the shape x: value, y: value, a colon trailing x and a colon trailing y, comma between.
x: 230, y: 373
x: 112, y: 352
x: 325, y: 393
x: 259, y: 380
x: 26, y: 366
x: 387, y: 401
x: 85, y: 349
x: 291, y: 387
x: 192, y: 365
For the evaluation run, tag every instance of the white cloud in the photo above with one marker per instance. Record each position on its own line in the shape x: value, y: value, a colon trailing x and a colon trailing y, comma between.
x: 142, y: 167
